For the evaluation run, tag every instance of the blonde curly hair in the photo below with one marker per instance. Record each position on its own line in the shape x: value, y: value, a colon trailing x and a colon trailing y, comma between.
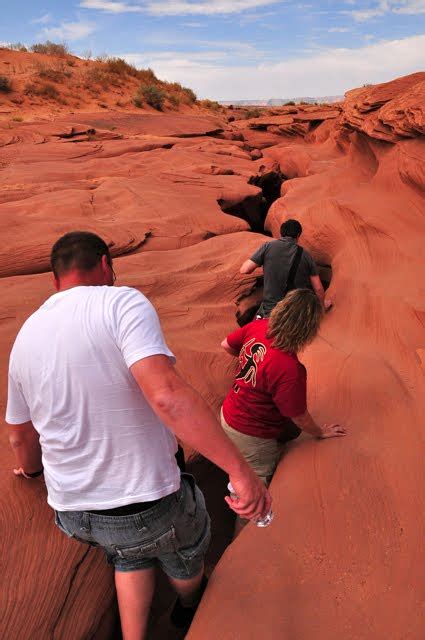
x: 295, y: 320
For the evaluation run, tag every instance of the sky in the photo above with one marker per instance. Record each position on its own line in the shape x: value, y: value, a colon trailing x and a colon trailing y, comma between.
x: 237, y: 49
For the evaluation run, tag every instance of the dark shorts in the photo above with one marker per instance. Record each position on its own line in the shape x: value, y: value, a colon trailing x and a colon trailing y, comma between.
x: 173, y: 534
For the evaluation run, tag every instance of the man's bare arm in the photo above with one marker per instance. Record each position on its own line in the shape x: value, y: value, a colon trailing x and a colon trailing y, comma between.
x: 248, y: 267
x: 183, y: 410
x: 306, y: 423
x: 226, y: 346
x: 320, y: 292
x: 25, y: 443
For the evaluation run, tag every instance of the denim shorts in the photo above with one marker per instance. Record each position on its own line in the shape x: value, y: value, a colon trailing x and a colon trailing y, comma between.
x: 174, y: 533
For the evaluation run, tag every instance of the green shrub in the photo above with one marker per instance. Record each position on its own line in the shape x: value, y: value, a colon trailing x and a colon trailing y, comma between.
x: 50, y: 48
x: 153, y: 96
x: 291, y: 103
x: 5, y: 85
x: 137, y: 101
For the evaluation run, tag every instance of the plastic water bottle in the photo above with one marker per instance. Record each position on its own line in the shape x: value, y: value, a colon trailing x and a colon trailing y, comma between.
x: 259, y: 522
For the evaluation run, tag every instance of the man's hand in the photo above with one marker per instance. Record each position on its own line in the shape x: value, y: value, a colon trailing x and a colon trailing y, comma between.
x: 183, y: 410
x: 21, y: 472
x: 254, y: 500
x: 332, y: 431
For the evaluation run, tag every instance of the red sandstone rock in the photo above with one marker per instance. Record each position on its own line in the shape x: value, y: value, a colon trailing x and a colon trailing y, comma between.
x: 343, y: 556
x: 390, y: 111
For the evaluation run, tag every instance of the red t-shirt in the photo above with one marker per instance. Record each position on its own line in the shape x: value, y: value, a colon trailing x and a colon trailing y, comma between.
x: 269, y: 386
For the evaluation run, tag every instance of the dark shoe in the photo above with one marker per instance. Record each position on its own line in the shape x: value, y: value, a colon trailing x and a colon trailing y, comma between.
x: 181, y: 616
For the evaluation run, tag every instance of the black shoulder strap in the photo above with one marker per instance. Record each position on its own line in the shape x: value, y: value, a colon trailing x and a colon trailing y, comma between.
x: 290, y: 284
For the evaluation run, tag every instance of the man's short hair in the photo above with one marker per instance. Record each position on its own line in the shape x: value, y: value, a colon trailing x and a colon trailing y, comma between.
x: 291, y: 228
x: 80, y: 250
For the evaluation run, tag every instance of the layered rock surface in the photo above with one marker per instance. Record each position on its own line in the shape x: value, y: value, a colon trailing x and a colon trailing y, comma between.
x: 342, y: 558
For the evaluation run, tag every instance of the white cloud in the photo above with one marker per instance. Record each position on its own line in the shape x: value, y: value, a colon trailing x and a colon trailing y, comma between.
x: 205, y: 7
x: 193, y: 25
x: 70, y: 31
x: 177, y: 7
x: 43, y: 20
x: 338, y: 30
x: 110, y: 6
x: 412, y: 7
x: 327, y: 72
x: 363, y: 15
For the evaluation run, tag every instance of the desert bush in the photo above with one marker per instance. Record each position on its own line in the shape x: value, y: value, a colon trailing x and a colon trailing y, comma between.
x: 137, y: 101
x: 252, y: 113
x: 30, y: 89
x: 173, y: 99
x: 99, y: 75
x: 17, y: 119
x: 53, y: 74
x: 210, y: 104
x: 50, y: 48
x: 5, y: 85
x: 291, y: 103
x: 186, y: 95
x: 153, y: 96
x: 17, y: 46
x: 189, y: 95
x: 120, y: 67
x: 146, y: 75
x: 47, y: 90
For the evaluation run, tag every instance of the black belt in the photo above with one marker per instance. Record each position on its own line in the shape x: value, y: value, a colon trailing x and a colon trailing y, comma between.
x: 127, y: 509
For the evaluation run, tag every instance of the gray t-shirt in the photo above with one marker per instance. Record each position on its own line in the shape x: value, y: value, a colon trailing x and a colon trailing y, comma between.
x: 276, y: 258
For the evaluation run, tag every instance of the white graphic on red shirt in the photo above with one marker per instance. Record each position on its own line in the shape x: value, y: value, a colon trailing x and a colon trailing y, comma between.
x: 251, y: 354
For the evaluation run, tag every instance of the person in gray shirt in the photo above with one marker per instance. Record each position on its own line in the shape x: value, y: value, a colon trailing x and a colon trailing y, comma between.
x: 286, y: 266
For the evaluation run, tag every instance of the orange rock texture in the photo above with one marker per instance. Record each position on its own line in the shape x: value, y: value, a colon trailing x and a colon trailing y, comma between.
x: 177, y: 197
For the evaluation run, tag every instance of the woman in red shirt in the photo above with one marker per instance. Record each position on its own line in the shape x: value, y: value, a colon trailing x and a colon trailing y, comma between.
x: 267, y: 403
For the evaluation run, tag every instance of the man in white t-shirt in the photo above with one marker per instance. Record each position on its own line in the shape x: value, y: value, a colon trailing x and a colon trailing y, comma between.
x: 94, y: 400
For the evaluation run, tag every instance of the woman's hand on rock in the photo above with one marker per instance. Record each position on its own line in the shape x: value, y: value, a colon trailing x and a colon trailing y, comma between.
x: 332, y: 431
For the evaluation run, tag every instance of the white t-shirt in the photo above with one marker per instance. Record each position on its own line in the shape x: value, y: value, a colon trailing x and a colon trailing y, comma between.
x: 102, y: 444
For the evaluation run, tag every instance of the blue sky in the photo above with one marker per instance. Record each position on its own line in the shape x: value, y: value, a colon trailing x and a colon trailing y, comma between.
x: 237, y: 49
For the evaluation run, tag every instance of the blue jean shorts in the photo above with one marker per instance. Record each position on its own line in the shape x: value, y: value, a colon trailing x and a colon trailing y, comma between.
x: 174, y: 533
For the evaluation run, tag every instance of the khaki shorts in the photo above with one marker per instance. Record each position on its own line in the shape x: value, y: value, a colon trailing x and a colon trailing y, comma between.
x: 263, y: 454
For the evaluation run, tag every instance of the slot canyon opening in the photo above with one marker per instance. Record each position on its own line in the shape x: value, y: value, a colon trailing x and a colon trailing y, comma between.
x: 254, y: 208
